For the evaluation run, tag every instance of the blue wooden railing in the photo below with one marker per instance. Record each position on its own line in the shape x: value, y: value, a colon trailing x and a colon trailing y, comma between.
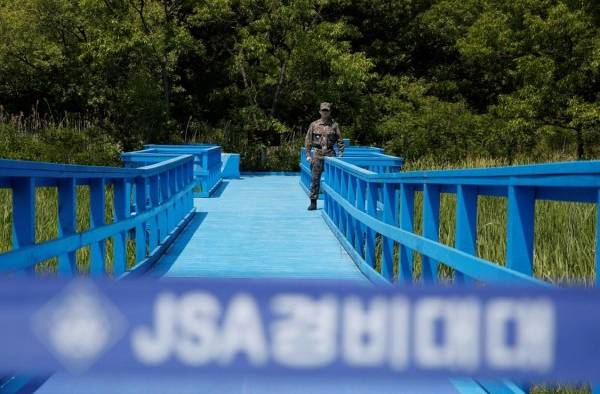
x: 368, y: 210
x: 207, y: 162
x: 367, y: 157
x: 162, y: 205
x: 361, y: 204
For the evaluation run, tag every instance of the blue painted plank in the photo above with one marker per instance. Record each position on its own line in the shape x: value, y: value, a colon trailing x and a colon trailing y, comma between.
x: 97, y: 211
x: 431, y: 224
x: 259, y: 227
x: 466, y: 225
x: 407, y: 211
x: 66, y: 224
x: 389, y: 216
x: 122, y: 209
x: 519, y: 239
x: 23, y: 200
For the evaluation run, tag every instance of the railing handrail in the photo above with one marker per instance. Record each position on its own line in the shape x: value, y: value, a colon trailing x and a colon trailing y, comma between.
x: 207, y: 162
x: 35, y: 169
x: 161, y: 194
x: 383, y: 203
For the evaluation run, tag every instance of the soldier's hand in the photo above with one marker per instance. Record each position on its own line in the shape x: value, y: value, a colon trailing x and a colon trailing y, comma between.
x: 308, y: 158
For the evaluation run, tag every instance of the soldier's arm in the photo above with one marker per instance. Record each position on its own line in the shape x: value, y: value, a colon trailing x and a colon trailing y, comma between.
x: 340, y: 141
x: 308, y: 142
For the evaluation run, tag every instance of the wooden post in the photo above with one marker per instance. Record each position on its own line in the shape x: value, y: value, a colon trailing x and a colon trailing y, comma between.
x: 97, y: 212
x: 67, y: 264
x: 122, y: 210
x: 349, y: 218
x: 407, y: 210
x: 519, y: 240
x: 466, y: 225
x: 153, y: 239
x: 370, y: 255
x: 344, y: 193
x: 140, y: 229
x: 361, y: 192
x: 431, y: 225
x: 23, y: 227
x: 390, y: 213
x: 165, y: 192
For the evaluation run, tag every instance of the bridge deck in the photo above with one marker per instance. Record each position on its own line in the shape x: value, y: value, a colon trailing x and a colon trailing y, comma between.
x: 258, y: 226
x: 253, y: 227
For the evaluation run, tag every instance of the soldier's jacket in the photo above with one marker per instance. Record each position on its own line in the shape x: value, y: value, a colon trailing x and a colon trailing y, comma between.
x: 322, y: 135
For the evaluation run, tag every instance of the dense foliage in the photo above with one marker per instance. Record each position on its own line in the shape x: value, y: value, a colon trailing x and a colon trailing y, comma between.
x: 440, y: 78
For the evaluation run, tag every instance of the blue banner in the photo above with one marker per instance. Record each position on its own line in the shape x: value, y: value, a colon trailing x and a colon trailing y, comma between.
x: 299, y: 327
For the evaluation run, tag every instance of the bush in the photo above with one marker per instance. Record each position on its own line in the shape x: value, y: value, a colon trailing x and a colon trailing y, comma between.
x: 90, y: 146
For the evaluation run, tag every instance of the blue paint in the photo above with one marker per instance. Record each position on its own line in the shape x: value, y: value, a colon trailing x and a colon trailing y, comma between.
x: 259, y: 227
x: 231, y: 165
x: 207, y: 162
x: 23, y: 177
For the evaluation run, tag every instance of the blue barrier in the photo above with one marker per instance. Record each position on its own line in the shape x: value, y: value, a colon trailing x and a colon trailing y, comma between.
x: 231, y: 165
x: 163, y: 204
x: 362, y: 206
x: 359, y: 204
x: 294, y: 328
x: 207, y: 162
x: 368, y: 157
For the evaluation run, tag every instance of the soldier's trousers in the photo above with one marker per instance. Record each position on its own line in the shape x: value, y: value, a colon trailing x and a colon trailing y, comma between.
x: 317, y: 168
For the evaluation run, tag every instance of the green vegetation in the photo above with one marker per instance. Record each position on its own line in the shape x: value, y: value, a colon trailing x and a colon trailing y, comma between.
x: 442, y: 78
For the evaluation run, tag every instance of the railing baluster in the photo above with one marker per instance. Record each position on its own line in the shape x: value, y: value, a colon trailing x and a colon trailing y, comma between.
x: 140, y: 229
x: 67, y: 264
x: 370, y: 253
x: 97, y: 212
x: 349, y: 218
x: 466, y: 225
x: 166, y: 194
x: 344, y: 193
x: 153, y: 223
x: 519, y: 240
x: 361, y: 191
x: 23, y: 228
x: 122, y: 208
x: 431, y: 223
x: 390, y: 214
x: 407, y: 209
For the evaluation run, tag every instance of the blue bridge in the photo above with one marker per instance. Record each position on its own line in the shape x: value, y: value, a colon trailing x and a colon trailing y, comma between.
x: 186, y: 211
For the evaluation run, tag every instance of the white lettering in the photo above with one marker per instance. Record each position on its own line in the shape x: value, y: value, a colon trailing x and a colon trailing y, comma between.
x: 305, y: 335
x: 243, y: 332
x: 533, y: 344
x: 198, y: 314
x: 155, y: 347
x: 459, y: 323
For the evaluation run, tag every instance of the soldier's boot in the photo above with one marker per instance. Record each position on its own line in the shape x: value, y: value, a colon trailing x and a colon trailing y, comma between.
x: 313, y: 204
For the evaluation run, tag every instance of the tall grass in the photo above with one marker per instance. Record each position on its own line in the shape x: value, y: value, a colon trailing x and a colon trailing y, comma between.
x: 564, y: 237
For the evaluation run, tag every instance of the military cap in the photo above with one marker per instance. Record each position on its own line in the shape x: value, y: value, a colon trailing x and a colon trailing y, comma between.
x: 326, y: 106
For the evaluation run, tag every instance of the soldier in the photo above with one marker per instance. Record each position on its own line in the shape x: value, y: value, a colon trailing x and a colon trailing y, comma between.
x: 322, y: 134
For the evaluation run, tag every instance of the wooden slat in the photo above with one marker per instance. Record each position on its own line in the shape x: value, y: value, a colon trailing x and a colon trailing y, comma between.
x: 407, y: 209
x: 466, y: 224
x: 431, y: 224
x: 23, y: 228
x: 122, y: 208
x: 97, y: 212
x: 519, y: 239
x: 390, y: 213
x: 67, y: 203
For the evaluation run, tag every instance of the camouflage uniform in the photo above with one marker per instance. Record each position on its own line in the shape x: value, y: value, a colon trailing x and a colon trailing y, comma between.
x: 322, y: 135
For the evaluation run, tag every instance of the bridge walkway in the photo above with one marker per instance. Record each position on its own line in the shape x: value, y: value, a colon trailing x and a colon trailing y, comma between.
x: 254, y: 227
